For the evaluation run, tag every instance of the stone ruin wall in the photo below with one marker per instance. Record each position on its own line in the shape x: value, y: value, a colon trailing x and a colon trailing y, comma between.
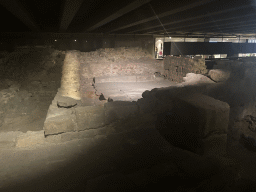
x: 81, y: 68
x: 177, y: 67
x: 118, y: 62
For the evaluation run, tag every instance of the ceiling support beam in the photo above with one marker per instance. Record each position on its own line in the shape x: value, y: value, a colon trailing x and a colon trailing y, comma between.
x: 70, y: 9
x: 121, y: 12
x: 213, y: 22
x: 17, y: 9
x: 196, y: 17
x: 168, y: 13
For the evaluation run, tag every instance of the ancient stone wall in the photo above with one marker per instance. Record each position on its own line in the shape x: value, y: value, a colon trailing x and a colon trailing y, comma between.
x: 177, y: 67
x: 117, y: 62
x: 135, y: 63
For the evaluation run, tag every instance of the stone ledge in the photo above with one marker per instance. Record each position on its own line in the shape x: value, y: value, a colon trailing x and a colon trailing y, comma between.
x: 60, y: 124
x: 89, y: 117
x: 8, y: 139
x: 119, y: 110
x: 214, y: 113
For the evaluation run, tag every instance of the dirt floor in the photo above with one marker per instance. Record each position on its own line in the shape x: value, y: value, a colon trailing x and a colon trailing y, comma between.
x: 29, y: 81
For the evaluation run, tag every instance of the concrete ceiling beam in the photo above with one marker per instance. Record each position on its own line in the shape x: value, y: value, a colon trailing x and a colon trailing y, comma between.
x: 69, y: 11
x: 194, y: 18
x: 121, y: 12
x: 187, y: 25
x: 165, y: 14
x: 18, y: 10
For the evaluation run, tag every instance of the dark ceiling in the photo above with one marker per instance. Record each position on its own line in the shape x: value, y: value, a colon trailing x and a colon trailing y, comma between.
x: 159, y: 17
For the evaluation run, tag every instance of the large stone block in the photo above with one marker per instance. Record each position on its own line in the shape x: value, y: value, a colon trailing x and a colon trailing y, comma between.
x: 215, y: 145
x: 60, y: 124
x: 120, y: 110
x: 191, y: 119
x: 146, y: 105
x: 214, y: 114
x: 89, y: 117
x: 55, y: 111
x: 219, y: 75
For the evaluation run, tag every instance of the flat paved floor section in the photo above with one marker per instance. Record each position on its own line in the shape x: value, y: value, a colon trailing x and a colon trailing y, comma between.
x: 129, y: 91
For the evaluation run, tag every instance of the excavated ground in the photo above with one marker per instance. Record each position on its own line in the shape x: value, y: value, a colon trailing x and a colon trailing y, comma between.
x: 60, y: 163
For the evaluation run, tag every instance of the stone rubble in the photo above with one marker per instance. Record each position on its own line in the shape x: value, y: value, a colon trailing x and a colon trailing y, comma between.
x: 177, y: 67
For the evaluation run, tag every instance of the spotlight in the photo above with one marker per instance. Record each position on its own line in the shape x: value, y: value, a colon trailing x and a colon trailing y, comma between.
x: 75, y: 39
x: 55, y: 40
x: 169, y: 37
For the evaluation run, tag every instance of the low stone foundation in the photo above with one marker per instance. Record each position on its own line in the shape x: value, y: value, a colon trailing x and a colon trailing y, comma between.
x: 192, y: 122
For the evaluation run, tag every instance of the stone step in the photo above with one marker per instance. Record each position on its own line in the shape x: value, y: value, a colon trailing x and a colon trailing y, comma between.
x: 8, y: 139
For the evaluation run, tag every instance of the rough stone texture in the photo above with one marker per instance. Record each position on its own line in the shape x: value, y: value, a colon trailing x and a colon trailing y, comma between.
x: 177, y: 67
x: 215, y: 145
x: 118, y: 62
x: 67, y: 102
x: 29, y: 87
x: 146, y: 105
x: 78, y: 135
x: 30, y: 139
x: 89, y: 117
x: 219, y: 75
x: 8, y: 139
x: 191, y: 119
x: 199, y: 167
x: 213, y: 112
x: 243, y: 131
x: 60, y: 124
x: 194, y: 79
x: 70, y: 81
x: 55, y: 111
x: 222, y: 64
x: 119, y: 110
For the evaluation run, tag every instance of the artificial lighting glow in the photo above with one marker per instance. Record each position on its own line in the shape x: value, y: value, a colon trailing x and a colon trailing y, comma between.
x: 75, y: 39
x: 169, y: 37
x: 55, y: 40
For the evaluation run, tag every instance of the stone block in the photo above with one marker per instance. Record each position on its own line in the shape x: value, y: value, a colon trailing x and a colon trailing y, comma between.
x: 146, y: 105
x: 8, y: 139
x: 191, y: 119
x: 119, y: 110
x: 78, y: 135
x: 219, y: 75
x: 30, y: 139
x: 90, y: 117
x: 67, y: 102
x: 60, y: 124
x: 215, y: 145
x: 214, y: 114
x: 195, y: 166
x: 55, y: 111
